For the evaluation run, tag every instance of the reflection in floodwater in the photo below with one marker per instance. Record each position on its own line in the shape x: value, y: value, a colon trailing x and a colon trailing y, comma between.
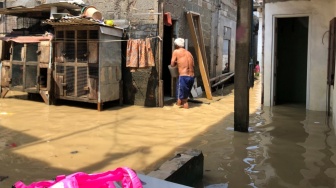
x: 287, y: 146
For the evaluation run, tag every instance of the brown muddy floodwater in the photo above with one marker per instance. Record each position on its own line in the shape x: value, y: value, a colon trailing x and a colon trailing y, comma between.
x: 287, y: 146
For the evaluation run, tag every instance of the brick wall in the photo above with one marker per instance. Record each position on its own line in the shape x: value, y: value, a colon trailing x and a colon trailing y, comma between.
x: 141, y: 87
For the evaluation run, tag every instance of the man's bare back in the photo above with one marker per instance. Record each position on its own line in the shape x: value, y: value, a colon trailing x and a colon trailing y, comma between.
x: 184, y: 61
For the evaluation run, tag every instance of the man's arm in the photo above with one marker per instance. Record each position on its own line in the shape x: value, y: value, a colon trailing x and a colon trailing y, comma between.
x: 173, y: 59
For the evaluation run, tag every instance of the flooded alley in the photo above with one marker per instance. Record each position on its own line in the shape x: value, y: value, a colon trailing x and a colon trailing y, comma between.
x: 287, y: 146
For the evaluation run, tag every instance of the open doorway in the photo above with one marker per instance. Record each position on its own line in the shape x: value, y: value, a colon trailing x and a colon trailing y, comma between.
x: 290, y: 62
x: 166, y: 57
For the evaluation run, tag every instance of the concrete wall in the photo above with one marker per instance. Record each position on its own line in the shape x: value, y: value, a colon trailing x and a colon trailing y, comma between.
x: 178, y: 10
x: 319, y: 13
x: 224, y: 17
x: 141, y: 86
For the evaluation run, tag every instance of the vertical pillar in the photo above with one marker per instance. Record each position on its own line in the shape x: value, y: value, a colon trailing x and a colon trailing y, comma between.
x: 260, y: 38
x: 241, y: 86
x: 160, y: 46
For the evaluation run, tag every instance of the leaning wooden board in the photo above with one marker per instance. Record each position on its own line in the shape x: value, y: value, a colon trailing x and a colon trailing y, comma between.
x: 200, y: 52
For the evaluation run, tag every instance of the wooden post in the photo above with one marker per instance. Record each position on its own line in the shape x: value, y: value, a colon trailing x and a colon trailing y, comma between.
x: 160, y: 47
x: 241, y: 87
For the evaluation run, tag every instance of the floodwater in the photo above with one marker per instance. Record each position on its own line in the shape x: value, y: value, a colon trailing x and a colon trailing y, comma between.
x: 287, y: 146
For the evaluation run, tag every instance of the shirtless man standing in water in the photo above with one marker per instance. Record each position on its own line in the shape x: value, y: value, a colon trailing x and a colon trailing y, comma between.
x: 185, y: 64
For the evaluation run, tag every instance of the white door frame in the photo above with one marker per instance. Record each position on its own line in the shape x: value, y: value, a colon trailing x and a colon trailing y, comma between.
x: 273, y: 84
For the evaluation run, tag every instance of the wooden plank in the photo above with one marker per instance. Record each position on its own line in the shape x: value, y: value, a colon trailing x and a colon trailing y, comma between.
x: 5, y: 75
x: 93, y: 49
x: 220, y: 76
x: 93, y: 88
x: 200, y: 57
x: 45, y: 96
x: 59, y: 52
x: 160, y: 46
x: 45, y: 52
x: 161, y: 93
x: 223, y: 80
x: 121, y: 92
x: 49, y: 80
x: 60, y: 85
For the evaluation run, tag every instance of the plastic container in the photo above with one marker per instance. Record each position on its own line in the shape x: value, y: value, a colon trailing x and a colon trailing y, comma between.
x: 121, y: 23
x: 173, y: 71
x: 92, y: 12
x: 109, y: 22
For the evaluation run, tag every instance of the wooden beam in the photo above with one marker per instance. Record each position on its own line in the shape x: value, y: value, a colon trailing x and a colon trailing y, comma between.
x: 223, y: 80
x: 160, y: 46
x: 200, y: 55
x: 202, y: 46
x: 45, y: 96
x: 220, y: 76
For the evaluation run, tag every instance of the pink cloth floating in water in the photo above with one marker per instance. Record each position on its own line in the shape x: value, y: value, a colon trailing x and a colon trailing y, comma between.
x: 126, y: 176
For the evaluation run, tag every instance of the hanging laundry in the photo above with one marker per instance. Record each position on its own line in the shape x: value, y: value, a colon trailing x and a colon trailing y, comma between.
x: 143, y: 54
x: 149, y: 52
x: 132, y: 54
x: 139, y: 54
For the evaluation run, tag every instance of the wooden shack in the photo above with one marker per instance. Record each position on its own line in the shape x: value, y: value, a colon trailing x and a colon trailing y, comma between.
x: 26, y: 64
x: 87, y: 62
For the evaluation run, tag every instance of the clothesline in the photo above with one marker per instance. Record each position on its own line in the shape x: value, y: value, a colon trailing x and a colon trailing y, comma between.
x: 68, y: 40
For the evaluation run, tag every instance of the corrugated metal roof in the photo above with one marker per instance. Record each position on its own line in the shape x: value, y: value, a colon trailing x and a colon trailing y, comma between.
x: 44, y: 8
x: 72, y: 21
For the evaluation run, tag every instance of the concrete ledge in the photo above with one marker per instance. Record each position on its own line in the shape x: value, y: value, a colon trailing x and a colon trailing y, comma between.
x: 185, y: 168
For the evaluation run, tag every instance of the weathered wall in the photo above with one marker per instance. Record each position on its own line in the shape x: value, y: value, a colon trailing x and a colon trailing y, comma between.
x: 224, y: 16
x: 215, y: 15
x: 275, y: 1
x: 319, y: 12
x: 140, y: 87
x: 179, y: 10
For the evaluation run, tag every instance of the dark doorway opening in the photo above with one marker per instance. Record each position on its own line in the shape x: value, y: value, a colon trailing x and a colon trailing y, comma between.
x: 291, y: 60
x: 166, y: 57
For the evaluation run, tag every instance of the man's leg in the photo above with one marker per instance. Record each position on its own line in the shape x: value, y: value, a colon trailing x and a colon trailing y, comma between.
x: 179, y: 102
x: 185, y: 103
